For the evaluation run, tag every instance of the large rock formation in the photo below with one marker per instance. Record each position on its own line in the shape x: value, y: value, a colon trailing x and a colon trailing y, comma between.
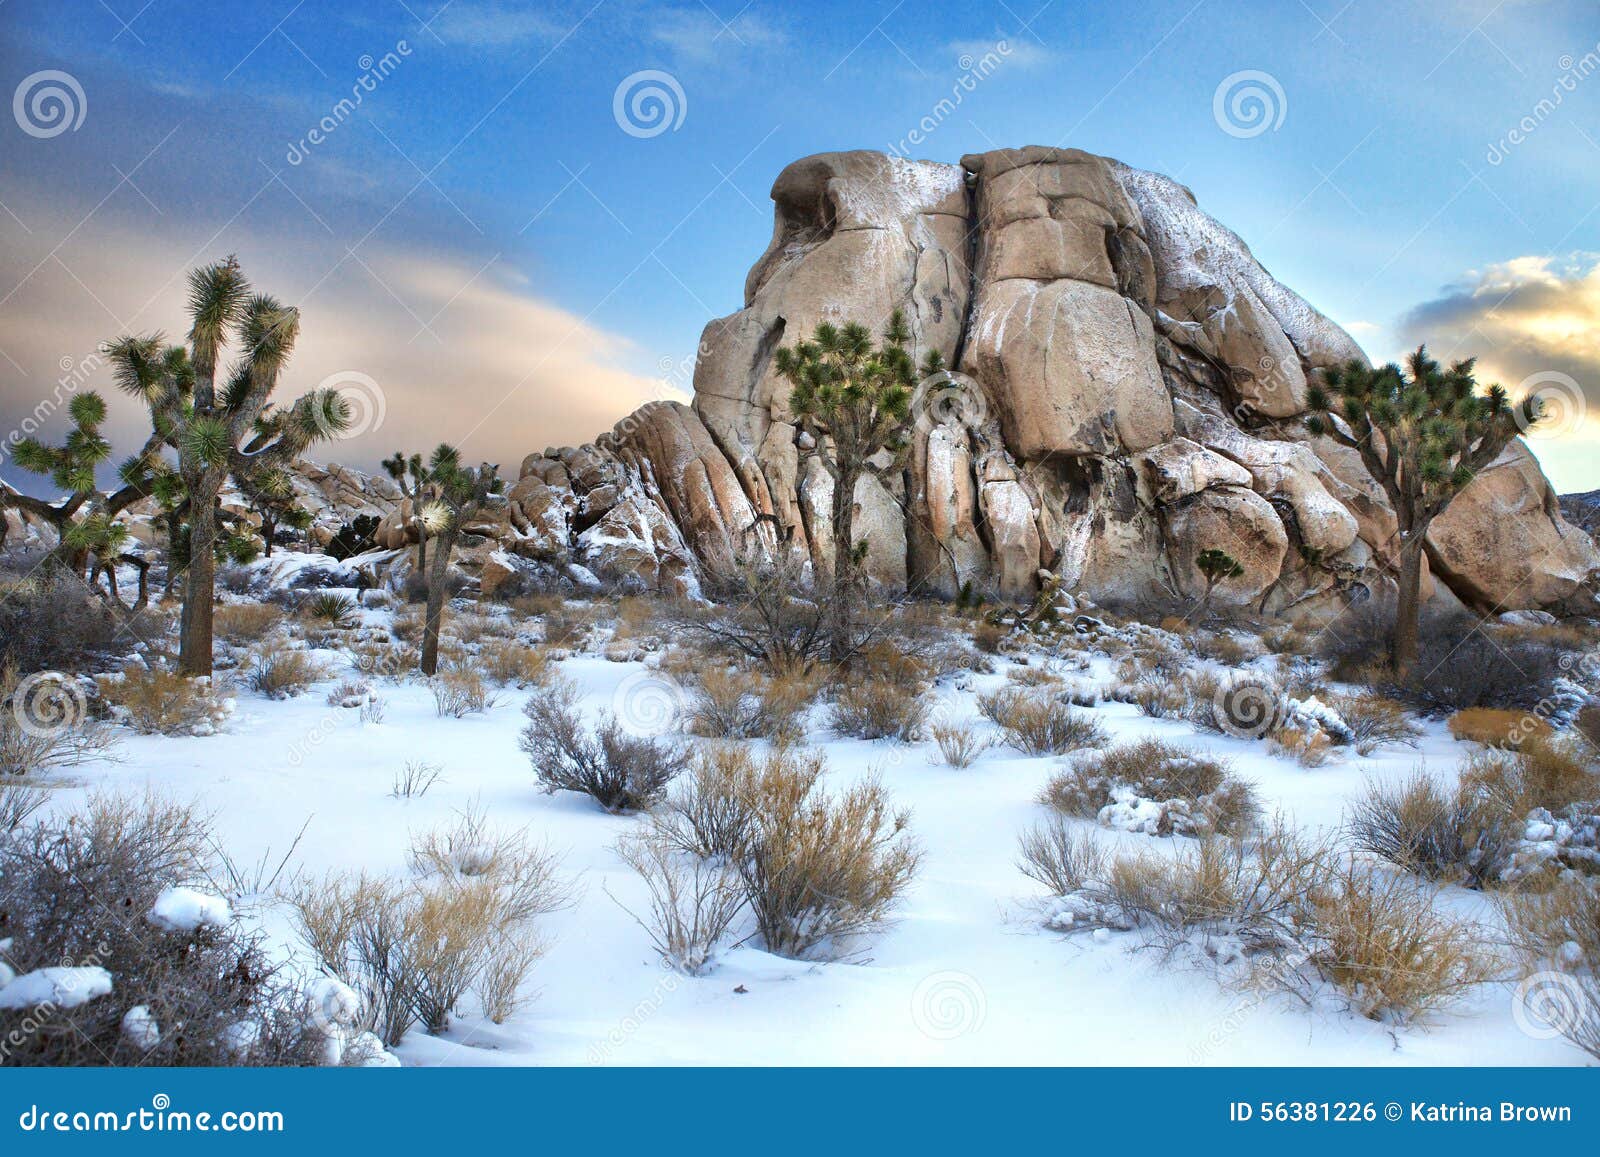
x: 1129, y: 391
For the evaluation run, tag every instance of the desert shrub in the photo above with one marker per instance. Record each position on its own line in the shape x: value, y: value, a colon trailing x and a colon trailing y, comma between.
x: 1155, y: 787
x: 1556, y: 935
x: 382, y: 659
x: 459, y: 691
x: 707, y: 812
x: 415, y: 778
x: 413, y: 949
x: 332, y: 609
x: 1376, y: 721
x: 351, y: 693
x: 725, y: 705
x: 78, y: 889
x: 1061, y: 857
x: 1288, y: 639
x: 1460, y: 666
x: 1496, y: 726
x: 959, y: 745
x: 508, y: 662
x: 906, y: 661
x: 1308, y: 748
x: 816, y: 868
x: 988, y: 636
x: 1159, y: 698
x: 693, y: 901
x: 51, y: 622
x: 566, y: 627
x: 1393, y: 953
x: 1542, y: 773
x: 154, y: 701
x: 475, y: 626
x: 244, y: 623
x: 1439, y: 832
x: 282, y: 672
x: 44, y: 725
x: 820, y: 868
x: 621, y: 772
x: 1224, y: 648
x: 1033, y: 677
x: 1040, y: 724
x: 18, y: 803
x: 878, y: 709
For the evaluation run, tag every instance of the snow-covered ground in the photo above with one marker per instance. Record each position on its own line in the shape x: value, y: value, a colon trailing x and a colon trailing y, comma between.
x: 965, y: 975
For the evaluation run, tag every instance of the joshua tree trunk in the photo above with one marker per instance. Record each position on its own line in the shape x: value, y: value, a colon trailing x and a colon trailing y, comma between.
x: 194, y: 653
x: 841, y: 613
x: 1408, y: 604
x: 437, y: 578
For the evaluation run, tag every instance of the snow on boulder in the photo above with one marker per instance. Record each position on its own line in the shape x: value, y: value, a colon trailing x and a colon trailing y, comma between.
x: 185, y: 910
x: 59, y: 987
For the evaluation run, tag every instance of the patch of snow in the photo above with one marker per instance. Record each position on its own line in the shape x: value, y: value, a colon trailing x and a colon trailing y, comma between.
x: 185, y: 910
x: 139, y: 1028
x: 64, y: 987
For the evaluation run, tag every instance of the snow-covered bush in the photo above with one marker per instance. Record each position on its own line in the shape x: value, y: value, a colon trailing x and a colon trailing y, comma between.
x: 159, y: 973
x: 1154, y: 787
x: 155, y: 701
x: 509, y: 662
x: 621, y: 772
x: 246, y: 623
x: 1037, y: 722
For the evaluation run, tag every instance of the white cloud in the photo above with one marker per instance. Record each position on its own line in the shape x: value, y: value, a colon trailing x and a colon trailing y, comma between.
x: 492, y: 25
x: 700, y: 36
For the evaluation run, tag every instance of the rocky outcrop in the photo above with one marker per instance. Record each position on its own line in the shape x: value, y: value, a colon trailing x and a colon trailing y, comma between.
x: 1128, y: 390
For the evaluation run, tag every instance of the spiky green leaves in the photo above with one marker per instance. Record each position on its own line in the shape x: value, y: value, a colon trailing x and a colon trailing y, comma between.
x: 217, y: 296
x: 205, y: 440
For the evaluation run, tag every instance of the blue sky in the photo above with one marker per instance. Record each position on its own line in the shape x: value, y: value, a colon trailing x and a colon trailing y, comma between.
x: 484, y: 241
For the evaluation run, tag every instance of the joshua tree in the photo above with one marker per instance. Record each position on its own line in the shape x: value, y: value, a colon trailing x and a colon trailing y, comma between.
x: 1423, y: 433
x: 270, y: 495
x: 461, y: 494
x: 217, y: 430
x: 1215, y: 566
x: 853, y: 401
x: 411, y: 476
x: 89, y: 536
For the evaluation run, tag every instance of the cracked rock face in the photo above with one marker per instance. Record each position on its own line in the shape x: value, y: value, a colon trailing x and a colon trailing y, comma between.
x: 1133, y: 383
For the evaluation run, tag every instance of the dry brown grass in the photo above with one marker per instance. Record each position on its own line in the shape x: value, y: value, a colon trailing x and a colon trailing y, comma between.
x: 1376, y: 721
x: 158, y: 702
x: 988, y: 637
x: 817, y: 868
x: 869, y: 708
x: 511, y: 663
x: 1439, y: 832
x: 459, y: 691
x: 1497, y: 727
x: 244, y: 623
x: 693, y: 901
x: 1205, y: 796
x: 1394, y: 953
x: 1060, y: 856
x: 959, y: 745
x: 280, y: 672
x: 1037, y: 723
x: 66, y: 738
x: 1541, y: 773
x: 1307, y: 748
x: 735, y: 703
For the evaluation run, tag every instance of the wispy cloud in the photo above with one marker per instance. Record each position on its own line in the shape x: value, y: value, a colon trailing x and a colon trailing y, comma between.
x: 699, y: 35
x: 1019, y: 51
x: 493, y: 25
